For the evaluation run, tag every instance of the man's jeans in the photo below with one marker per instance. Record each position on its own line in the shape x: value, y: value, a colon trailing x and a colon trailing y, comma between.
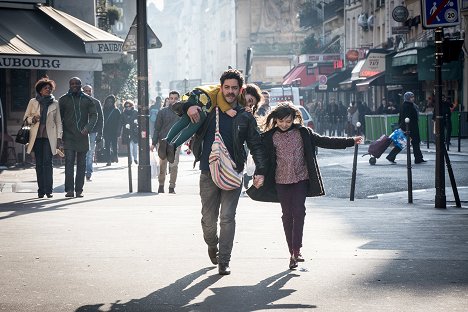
x: 90, y: 154
x: 70, y: 156
x: 217, y: 202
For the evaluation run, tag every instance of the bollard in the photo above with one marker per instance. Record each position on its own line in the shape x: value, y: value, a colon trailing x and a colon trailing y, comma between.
x: 353, y: 177
x: 427, y: 130
x: 129, y: 159
x: 408, y: 162
x: 459, y: 132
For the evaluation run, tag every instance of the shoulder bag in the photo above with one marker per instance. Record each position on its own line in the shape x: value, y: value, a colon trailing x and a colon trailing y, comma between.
x: 222, y: 167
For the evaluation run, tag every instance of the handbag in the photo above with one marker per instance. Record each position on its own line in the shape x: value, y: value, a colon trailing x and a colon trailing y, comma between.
x: 222, y: 167
x: 154, y: 163
x: 22, y: 137
x: 399, y: 138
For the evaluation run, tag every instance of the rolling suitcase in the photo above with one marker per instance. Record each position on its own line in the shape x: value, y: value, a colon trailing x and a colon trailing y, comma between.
x: 377, y: 148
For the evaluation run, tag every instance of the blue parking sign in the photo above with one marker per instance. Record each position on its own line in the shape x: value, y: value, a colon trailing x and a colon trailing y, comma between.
x: 440, y: 13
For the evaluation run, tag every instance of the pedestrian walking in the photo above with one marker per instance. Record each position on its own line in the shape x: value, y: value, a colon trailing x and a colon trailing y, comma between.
x: 218, y: 203
x: 164, y: 121
x: 43, y: 115
x: 111, y: 131
x: 95, y: 135
x: 292, y: 171
x: 409, y: 110
x: 130, y: 129
x: 79, y: 116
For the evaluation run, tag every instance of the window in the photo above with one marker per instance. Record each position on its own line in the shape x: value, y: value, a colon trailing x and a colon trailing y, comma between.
x: 20, y: 89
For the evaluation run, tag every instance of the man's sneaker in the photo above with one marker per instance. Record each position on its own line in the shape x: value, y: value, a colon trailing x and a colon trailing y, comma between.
x: 171, y: 190
x: 420, y: 161
x: 80, y: 194
x: 88, y: 178
x: 298, y: 256
x: 136, y: 162
x: 170, y: 152
x: 224, y: 269
x: 213, y: 254
x: 70, y: 194
x: 161, y: 189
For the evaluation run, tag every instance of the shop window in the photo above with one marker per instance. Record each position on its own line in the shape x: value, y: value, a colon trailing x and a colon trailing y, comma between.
x: 20, y: 87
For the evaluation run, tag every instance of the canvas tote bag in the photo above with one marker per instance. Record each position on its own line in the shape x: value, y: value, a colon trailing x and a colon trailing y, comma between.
x: 222, y: 167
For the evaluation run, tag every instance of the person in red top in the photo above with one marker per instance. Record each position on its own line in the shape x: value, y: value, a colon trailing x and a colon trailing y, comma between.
x: 292, y: 171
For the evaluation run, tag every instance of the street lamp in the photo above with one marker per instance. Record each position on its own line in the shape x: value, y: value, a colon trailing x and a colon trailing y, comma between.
x: 321, y: 5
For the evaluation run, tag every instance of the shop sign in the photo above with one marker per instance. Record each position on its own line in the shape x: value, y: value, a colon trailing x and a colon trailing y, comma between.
x: 50, y: 63
x: 374, y: 64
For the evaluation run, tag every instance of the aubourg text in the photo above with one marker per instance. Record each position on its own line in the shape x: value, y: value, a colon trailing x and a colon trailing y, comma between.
x: 12, y: 62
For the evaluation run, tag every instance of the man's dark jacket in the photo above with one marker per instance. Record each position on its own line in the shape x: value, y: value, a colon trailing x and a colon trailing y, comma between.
x: 244, y: 128
x: 267, y: 192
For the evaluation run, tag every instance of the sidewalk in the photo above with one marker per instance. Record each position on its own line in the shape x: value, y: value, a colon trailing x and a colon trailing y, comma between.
x: 116, y: 251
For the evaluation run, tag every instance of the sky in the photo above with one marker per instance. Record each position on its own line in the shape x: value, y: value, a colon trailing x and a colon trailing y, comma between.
x: 159, y: 3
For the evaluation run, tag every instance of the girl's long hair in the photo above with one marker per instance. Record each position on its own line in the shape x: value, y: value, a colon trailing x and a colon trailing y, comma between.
x: 254, y: 91
x: 281, y: 111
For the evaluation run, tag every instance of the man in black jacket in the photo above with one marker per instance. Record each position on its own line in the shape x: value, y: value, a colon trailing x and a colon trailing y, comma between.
x: 409, y: 110
x: 236, y: 131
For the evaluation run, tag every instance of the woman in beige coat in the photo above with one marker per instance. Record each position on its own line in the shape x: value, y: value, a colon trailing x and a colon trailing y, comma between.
x: 43, y: 115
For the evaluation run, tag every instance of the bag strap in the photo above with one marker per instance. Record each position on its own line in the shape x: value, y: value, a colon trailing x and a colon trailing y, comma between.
x: 217, y: 120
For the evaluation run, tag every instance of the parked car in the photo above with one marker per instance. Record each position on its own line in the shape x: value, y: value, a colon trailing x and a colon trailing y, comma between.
x: 306, y: 117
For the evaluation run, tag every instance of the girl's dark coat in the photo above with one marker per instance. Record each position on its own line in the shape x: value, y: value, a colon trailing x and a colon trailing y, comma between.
x: 267, y: 192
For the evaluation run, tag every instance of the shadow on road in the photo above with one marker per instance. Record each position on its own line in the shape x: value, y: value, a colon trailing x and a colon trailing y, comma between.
x: 177, y: 296
x: 35, y: 205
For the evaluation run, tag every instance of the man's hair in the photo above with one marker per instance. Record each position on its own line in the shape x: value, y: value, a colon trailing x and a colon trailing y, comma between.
x: 232, y: 74
x: 175, y: 92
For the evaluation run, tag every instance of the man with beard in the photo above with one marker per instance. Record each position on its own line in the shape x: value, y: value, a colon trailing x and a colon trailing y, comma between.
x: 79, y: 117
x: 235, y: 131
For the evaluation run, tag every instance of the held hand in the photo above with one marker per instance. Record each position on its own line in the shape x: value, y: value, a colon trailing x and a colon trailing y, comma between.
x: 231, y: 112
x: 358, y: 140
x: 193, y: 114
x: 35, y: 119
x: 258, y: 180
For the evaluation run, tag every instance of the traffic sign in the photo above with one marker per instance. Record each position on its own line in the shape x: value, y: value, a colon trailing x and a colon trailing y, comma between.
x: 323, y: 79
x: 440, y: 13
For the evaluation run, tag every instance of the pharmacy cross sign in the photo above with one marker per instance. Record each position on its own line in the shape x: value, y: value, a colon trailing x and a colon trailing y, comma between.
x: 440, y: 13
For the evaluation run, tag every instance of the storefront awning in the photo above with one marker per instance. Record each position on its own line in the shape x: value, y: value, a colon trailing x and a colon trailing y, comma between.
x: 408, y: 57
x: 377, y: 80
x: 30, y: 39
x: 297, y: 72
x: 96, y: 41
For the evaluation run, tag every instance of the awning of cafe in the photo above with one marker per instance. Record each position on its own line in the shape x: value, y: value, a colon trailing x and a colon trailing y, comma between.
x: 297, y: 72
x: 97, y: 41
x: 408, y: 57
x: 30, y: 39
x: 377, y: 80
x: 350, y: 83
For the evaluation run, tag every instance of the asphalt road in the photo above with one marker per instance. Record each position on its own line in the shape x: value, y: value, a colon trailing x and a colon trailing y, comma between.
x: 119, y: 251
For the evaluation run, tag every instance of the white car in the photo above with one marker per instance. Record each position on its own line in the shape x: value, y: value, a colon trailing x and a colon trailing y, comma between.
x: 306, y: 117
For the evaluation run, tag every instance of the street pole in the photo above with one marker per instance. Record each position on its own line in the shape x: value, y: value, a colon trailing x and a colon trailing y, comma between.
x: 144, y: 167
x: 248, y: 65
x: 408, y: 162
x: 353, y: 176
x: 440, y: 199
